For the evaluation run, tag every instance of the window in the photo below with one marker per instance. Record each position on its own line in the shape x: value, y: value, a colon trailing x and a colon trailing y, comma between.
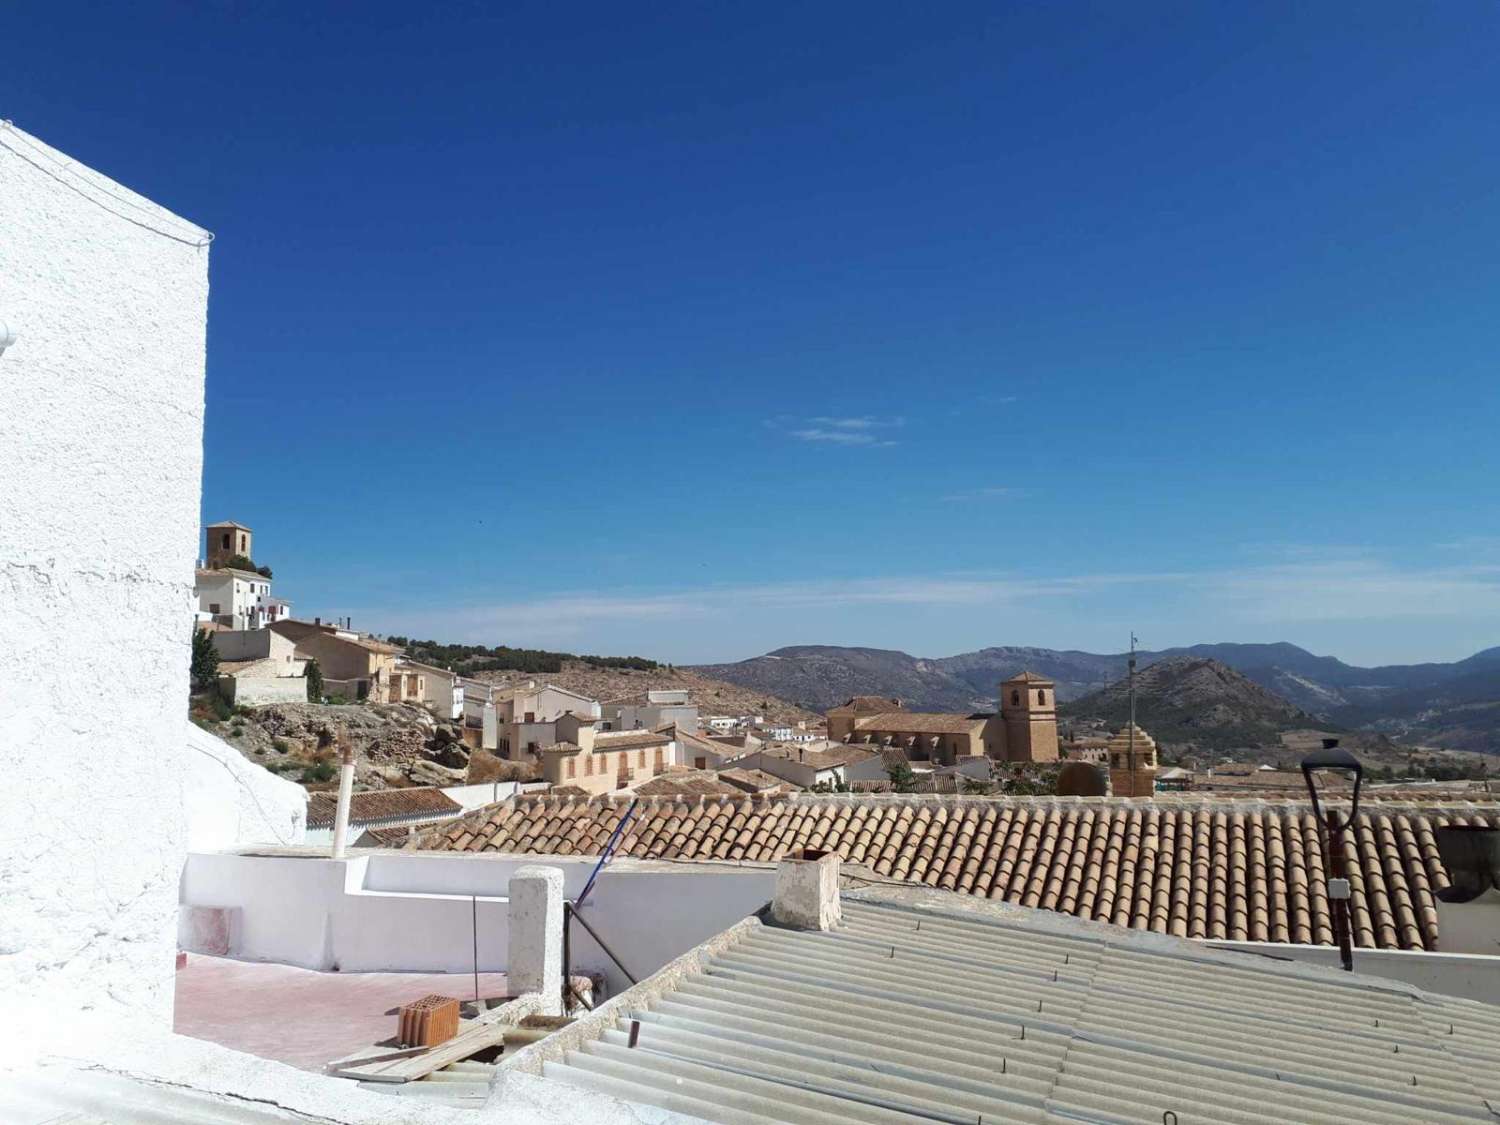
x: 213, y: 607
x: 1041, y: 696
x: 658, y: 758
x: 640, y: 758
x: 572, y: 769
x: 1015, y: 697
x: 225, y: 541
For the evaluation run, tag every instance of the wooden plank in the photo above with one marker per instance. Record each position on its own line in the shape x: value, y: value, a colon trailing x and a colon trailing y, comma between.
x: 367, y: 1055
x: 475, y: 1039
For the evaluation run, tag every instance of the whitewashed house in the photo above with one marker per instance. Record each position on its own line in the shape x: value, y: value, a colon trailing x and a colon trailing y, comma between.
x: 652, y: 710
x: 259, y: 666
x: 437, y: 689
x: 237, y: 599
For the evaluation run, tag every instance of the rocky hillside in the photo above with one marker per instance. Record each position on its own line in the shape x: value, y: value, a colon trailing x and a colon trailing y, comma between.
x: 397, y: 745
x: 713, y: 696
x: 1190, y: 701
x: 819, y: 677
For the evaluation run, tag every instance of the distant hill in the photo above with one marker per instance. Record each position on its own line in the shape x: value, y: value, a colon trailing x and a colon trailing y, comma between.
x: 821, y: 677
x: 1190, y: 699
x: 1455, y: 705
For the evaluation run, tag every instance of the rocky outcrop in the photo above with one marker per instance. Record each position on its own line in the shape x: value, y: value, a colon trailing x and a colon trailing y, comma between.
x: 394, y: 744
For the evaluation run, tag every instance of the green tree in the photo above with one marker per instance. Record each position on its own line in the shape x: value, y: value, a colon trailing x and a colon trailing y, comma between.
x: 314, y: 682
x: 902, y: 779
x: 205, y: 667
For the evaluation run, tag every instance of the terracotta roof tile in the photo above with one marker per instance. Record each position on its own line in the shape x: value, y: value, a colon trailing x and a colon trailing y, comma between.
x: 924, y: 722
x: 1249, y: 871
x: 382, y: 804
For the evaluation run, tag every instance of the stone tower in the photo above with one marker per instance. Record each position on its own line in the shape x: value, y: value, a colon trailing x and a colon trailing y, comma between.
x: 223, y: 541
x: 1132, y: 763
x: 1028, y: 709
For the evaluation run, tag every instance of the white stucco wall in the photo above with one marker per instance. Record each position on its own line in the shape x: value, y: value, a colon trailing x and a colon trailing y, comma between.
x: 416, y: 912
x: 231, y: 801
x: 257, y: 691
x: 101, y: 438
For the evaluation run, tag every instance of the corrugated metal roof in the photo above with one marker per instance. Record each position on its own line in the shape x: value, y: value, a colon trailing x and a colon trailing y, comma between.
x: 904, y: 1013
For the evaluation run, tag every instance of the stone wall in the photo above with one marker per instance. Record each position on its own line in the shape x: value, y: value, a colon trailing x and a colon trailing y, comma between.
x: 101, y: 440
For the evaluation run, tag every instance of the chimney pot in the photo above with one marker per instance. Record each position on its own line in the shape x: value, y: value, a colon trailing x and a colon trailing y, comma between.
x: 807, y: 891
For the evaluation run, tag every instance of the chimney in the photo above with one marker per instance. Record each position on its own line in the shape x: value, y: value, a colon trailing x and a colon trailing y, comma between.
x: 536, y: 935
x: 317, y: 621
x: 1469, y: 908
x: 346, y: 795
x: 807, y: 891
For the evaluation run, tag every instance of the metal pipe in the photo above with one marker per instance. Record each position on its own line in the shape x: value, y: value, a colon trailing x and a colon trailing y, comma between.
x: 570, y: 911
x: 609, y: 847
x: 346, y: 793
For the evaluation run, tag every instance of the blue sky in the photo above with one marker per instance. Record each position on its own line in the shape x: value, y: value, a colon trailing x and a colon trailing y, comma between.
x: 696, y: 330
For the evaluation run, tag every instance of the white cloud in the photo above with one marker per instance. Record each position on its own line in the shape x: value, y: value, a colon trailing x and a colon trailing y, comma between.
x: 859, y: 430
x: 839, y: 437
x: 1207, y: 605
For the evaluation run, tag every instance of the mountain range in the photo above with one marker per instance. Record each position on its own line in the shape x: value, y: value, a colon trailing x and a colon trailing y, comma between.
x: 1455, y: 705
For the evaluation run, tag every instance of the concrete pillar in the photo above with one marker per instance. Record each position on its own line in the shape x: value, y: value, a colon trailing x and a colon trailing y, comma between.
x: 536, y: 931
x: 807, y: 893
x: 346, y: 794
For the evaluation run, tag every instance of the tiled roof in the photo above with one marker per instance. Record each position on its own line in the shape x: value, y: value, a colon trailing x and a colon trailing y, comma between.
x: 382, y: 804
x: 686, y: 783
x: 628, y: 739
x: 1243, y: 870
x: 868, y: 703
x: 751, y: 781
x: 919, y: 722
x: 918, y: 1010
x: 372, y: 645
x: 262, y: 666
x: 1029, y: 678
x: 818, y: 759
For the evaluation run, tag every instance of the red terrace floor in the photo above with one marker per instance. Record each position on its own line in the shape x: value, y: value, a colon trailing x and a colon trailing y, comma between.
x: 299, y: 1016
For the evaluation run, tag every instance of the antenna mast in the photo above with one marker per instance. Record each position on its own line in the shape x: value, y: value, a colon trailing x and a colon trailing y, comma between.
x: 1131, y: 750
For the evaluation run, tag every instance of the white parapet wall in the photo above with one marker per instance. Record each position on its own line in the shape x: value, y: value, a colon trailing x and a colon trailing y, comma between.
x: 1465, y: 975
x: 101, y: 445
x: 394, y: 910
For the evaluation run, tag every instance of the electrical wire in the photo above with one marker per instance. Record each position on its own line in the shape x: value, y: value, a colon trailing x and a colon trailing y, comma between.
x: 8, y: 128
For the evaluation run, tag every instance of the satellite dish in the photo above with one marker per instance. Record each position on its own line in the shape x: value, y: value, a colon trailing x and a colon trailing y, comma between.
x: 1081, y: 779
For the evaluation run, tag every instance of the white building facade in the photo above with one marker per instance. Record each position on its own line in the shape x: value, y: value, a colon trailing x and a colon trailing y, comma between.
x: 237, y: 599
x: 101, y: 460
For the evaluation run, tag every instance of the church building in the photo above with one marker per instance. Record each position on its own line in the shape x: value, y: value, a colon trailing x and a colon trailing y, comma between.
x: 1025, y: 730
